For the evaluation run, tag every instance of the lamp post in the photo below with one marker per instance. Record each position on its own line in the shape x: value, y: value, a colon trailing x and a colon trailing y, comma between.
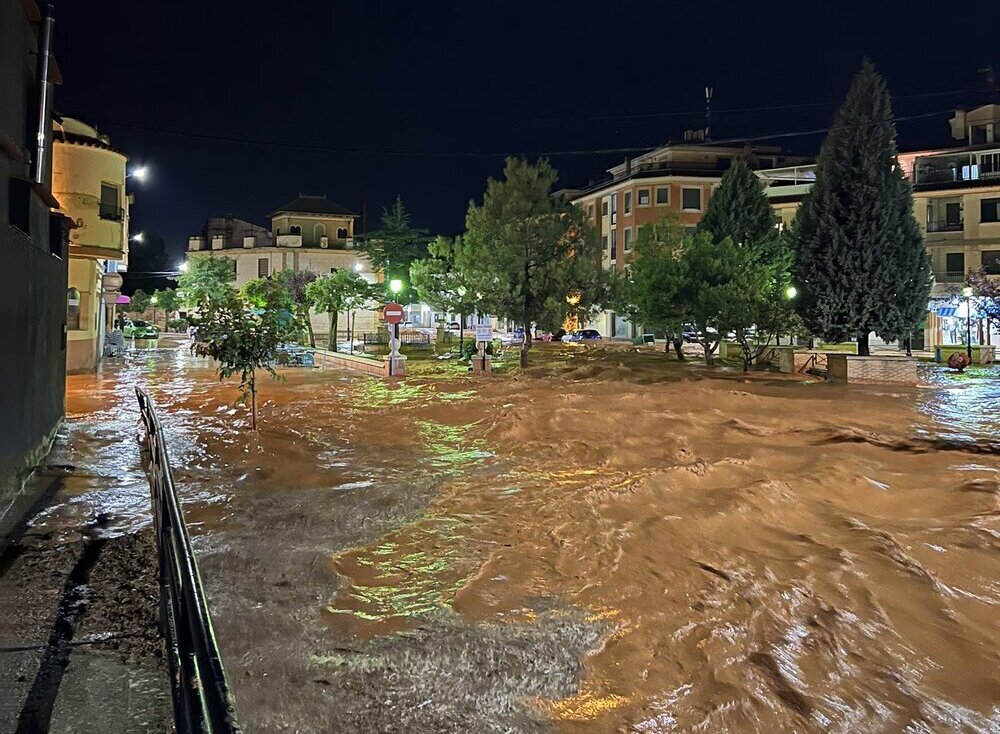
x: 152, y: 302
x: 140, y: 174
x: 790, y: 293
x: 395, y: 286
x: 967, y: 292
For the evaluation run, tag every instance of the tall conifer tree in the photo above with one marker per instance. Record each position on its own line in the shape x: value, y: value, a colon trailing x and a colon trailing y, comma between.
x: 860, y: 261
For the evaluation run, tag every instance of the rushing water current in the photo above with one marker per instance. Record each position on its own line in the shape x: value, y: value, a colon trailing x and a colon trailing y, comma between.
x: 605, y: 543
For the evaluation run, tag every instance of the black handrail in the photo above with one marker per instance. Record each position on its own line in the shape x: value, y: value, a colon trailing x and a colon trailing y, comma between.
x: 203, y: 703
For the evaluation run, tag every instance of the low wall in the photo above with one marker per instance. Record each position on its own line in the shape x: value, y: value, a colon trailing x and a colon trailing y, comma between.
x: 985, y: 354
x: 377, y: 367
x: 850, y: 368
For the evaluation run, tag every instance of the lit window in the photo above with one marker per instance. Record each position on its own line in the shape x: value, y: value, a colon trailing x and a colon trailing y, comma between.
x: 691, y: 200
x: 643, y: 195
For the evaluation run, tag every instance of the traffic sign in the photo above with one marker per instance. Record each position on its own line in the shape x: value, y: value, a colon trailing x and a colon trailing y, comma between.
x: 392, y: 313
x: 484, y: 333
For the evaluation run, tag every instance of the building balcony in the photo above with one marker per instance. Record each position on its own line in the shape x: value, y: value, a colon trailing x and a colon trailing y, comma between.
x: 949, y: 276
x: 288, y: 240
x: 943, y: 225
x: 955, y: 170
x: 110, y: 212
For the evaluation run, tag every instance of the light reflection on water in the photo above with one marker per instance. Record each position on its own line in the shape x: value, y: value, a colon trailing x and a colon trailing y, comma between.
x: 961, y: 405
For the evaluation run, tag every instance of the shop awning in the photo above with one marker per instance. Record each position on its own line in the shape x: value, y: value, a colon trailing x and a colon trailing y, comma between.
x: 947, y: 310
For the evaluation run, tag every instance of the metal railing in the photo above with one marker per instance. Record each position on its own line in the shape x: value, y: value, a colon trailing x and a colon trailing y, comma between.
x: 110, y: 211
x: 943, y: 225
x: 202, y: 700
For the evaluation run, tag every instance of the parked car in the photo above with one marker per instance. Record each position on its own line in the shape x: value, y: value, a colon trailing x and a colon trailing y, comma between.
x: 582, y: 335
x: 453, y: 326
x: 140, y: 330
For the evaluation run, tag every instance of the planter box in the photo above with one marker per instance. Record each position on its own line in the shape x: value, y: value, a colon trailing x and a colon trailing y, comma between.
x: 985, y: 354
x: 878, y: 369
x: 379, y: 367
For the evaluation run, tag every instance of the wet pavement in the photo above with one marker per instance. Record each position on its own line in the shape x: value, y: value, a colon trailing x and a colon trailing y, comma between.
x: 608, y: 542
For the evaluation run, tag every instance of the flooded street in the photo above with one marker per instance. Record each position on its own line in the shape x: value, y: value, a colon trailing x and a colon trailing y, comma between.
x: 609, y: 542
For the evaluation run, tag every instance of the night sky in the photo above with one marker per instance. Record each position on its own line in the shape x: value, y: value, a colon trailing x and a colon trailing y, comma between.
x: 169, y: 81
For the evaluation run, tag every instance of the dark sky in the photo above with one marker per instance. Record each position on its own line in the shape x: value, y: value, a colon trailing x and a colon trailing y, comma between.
x: 431, y: 78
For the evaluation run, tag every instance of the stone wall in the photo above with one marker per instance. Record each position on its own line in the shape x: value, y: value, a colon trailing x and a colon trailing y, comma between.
x: 850, y: 368
x: 378, y: 367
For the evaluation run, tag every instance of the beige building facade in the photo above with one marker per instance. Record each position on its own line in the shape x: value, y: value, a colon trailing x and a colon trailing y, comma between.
x: 88, y: 179
x: 308, y: 233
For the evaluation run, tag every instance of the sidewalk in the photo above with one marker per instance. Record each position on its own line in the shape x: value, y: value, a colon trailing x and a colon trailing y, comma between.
x: 79, y: 644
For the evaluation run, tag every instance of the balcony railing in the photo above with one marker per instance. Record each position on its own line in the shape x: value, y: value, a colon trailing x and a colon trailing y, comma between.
x: 949, y: 276
x: 288, y: 240
x: 111, y: 212
x: 944, y: 225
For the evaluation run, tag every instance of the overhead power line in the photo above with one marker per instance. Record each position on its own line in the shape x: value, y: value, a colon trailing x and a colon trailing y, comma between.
x: 399, y: 153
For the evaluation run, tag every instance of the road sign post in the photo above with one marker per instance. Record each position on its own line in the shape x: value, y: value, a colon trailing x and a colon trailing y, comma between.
x: 484, y: 336
x: 392, y: 314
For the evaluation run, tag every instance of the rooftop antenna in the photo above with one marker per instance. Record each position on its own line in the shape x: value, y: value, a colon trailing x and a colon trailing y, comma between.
x: 708, y: 112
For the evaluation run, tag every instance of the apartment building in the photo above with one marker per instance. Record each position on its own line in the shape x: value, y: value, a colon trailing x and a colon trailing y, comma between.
x: 88, y: 179
x: 33, y: 242
x: 678, y: 178
x: 308, y: 233
x: 956, y: 200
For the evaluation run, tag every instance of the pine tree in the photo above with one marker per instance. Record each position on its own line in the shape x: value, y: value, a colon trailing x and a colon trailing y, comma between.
x: 860, y: 260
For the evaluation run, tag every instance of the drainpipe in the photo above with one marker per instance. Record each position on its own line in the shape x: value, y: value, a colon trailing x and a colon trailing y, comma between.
x: 44, y: 96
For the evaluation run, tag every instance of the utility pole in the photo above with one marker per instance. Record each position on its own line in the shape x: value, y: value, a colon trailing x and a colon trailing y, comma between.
x: 708, y: 112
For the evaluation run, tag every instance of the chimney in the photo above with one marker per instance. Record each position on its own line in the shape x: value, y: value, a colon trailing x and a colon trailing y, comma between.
x: 248, y: 242
x: 196, y: 244
x: 218, y: 242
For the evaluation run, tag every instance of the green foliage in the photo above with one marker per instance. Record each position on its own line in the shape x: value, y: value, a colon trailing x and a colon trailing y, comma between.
x: 177, y: 325
x: 860, y: 264
x: 267, y: 293
x: 438, y: 281
x: 396, y: 244
x: 526, y: 255
x: 242, y: 340
x: 168, y: 299
x: 740, y: 211
x: 987, y: 295
x: 296, y: 282
x: 341, y: 290
x: 207, y: 278
x: 139, y: 301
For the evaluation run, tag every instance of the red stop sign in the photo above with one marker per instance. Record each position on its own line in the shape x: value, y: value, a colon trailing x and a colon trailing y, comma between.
x: 392, y: 313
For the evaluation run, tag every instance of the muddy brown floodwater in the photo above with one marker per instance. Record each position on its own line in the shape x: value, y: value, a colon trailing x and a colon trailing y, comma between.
x: 607, y: 543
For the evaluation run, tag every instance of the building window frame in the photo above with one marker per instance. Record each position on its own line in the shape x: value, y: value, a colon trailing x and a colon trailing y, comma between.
x: 656, y: 196
x: 627, y: 240
x: 626, y: 203
x: 74, y: 309
x: 263, y: 267
x: 989, y: 211
x: 295, y: 229
x: 638, y: 197
x: 701, y: 203
x: 614, y: 245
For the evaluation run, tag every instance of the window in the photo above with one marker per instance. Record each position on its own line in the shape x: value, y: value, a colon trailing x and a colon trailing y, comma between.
x: 295, y: 229
x: 262, y: 271
x: 73, y: 309
x: 604, y: 243
x: 604, y: 208
x: 691, y: 200
x: 341, y: 233
x: 614, y: 208
x: 109, y: 208
x: 319, y: 230
x: 628, y: 202
x: 590, y: 211
x: 989, y: 164
x: 662, y: 195
x: 614, y: 245
x: 989, y: 210
x: 627, y: 241
x: 991, y: 262
x: 643, y: 195
x: 954, y: 263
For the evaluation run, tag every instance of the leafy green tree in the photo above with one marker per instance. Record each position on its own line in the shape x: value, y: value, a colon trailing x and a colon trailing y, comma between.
x: 396, y: 244
x: 242, y: 340
x: 740, y: 211
x: 267, y: 293
x: 527, y: 255
x: 439, y: 283
x: 860, y: 264
x: 139, y: 301
x: 334, y: 293
x: 296, y: 282
x: 648, y: 289
x: 207, y: 278
x: 169, y: 300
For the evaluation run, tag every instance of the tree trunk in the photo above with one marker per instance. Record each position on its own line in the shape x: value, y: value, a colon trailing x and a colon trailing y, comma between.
x: 253, y: 402
x: 309, y: 328
x: 709, y: 348
x: 461, y: 332
x: 863, y: 345
x: 353, y: 323
x: 331, y: 341
x: 679, y: 348
x: 525, y: 346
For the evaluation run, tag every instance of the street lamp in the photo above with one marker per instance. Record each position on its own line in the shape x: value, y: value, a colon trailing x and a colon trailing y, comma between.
x: 137, y: 237
x: 791, y: 291
x: 395, y: 285
x: 967, y: 292
x: 183, y: 267
x: 140, y: 174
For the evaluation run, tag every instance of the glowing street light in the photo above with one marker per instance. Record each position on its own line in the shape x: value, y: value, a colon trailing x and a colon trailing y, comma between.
x: 137, y: 237
x: 358, y: 267
x: 140, y: 174
x: 395, y: 285
x: 183, y: 267
x: 791, y: 291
